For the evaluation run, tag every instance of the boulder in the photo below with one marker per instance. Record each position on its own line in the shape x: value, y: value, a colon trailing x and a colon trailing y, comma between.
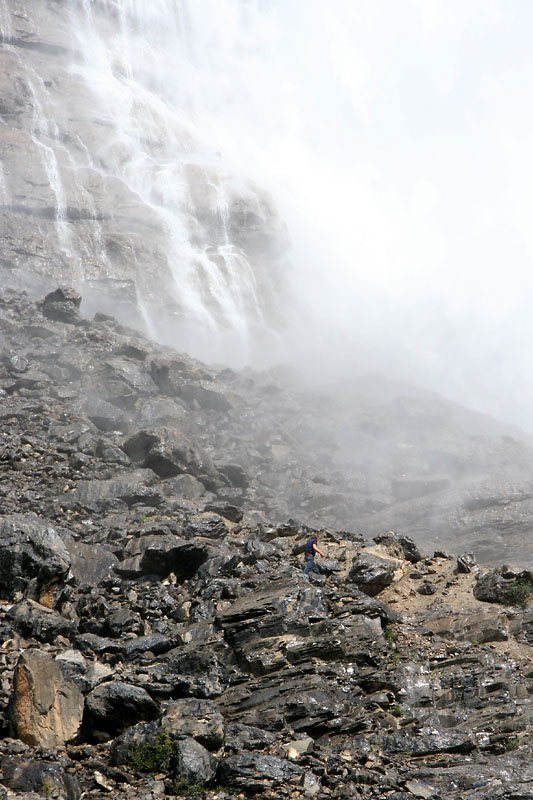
x: 34, y: 560
x: 161, y: 555
x: 114, y: 706
x: 504, y: 585
x: 168, y: 452
x: 206, y: 524
x: 44, y: 778
x: 134, y: 487
x: 133, y: 740
x: 46, y: 708
x: 62, y: 305
x: 89, y: 565
x: 255, y: 772
x: 194, y: 764
x: 33, y: 620
x: 371, y: 573
x: 198, y: 719
x: 247, y: 737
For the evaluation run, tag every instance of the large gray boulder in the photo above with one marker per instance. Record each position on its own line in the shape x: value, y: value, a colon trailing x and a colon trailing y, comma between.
x: 198, y: 719
x: 162, y: 554
x: 371, y: 573
x: 31, y: 619
x: 30, y: 778
x: 114, y: 706
x: 136, y: 486
x: 194, y: 764
x: 34, y: 560
x: 255, y: 772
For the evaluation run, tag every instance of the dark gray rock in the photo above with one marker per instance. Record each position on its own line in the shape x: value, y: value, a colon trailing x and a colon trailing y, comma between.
x: 247, y: 737
x: 33, y: 558
x: 30, y: 619
x: 254, y: 772
x: 30, y: 775
x: 63, y: 294
x: 133, y: 738
x: 428, y: 742
x: 198, y: 719
x: 505, y: 586
x: 124, y: 621
x: 155, y: 643
x: 196, y: 670
x: 194, y: 764
x: 168, y: 452
x: 161, y: 555
x: 114, y: 706
x: 132, y: 488
x: 371, y: 573
x: 466, y: 563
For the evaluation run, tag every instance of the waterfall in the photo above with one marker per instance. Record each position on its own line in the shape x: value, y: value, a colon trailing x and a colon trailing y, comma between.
x: 258, y: 180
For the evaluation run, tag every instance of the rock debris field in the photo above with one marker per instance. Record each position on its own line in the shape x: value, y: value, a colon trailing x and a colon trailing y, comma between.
x: 158, y: 637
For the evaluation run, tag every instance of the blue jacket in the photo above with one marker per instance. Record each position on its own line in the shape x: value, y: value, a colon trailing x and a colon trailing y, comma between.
x: 309, y: 546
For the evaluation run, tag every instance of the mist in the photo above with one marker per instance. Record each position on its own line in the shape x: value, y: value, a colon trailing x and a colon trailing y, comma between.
x: 394, y: 137
x: 381, y: 149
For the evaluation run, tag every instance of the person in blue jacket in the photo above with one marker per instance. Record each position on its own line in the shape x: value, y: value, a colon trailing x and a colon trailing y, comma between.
x: 311, y: 547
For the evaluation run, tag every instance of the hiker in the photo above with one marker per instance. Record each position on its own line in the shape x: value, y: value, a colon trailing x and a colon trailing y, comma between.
x: 311, y: 547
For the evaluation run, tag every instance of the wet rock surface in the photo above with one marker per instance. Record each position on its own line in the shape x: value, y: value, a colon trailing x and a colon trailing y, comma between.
x: 158, y: 636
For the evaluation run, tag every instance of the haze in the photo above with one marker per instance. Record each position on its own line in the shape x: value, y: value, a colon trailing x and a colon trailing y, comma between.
x: 396, y: 138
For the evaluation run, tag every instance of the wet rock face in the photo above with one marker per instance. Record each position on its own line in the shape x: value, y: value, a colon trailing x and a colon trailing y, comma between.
x: 158, y: 632
x: 70, y: 211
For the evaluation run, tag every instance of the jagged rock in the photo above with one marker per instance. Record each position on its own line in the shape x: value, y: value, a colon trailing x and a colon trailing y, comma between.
x: 89, y: 565
x: 194, y: 764
x: 247, y: 737
x: 46, y: 708
x: 372, y: 573
x: 166, y: 452
x: 198, y: 719
x: 466, y: 563
x: 135, y: 487
x: 133, y: 738
x: 62, y: 305
x: 254, y: 772
x: 427, y: 588
x: 409, y: 548
x: 504, y: 586
x: 428, y: 741
x: 160, y: 555
x: 31, y: 619
x: 63, y: 294
x: 34, y: 560
x: 155, y: 643
x: 196, y: 670
x: 236, y: 475
x: 114, y: 706
x: 206, y: 398
x: 124, y: 621
x: 45, y: 778
x: 207, y: 524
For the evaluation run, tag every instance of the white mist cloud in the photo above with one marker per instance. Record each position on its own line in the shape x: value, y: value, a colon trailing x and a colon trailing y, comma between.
x: 396, y: 137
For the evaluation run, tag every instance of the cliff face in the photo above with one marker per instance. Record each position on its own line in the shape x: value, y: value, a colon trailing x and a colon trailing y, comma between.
x: 104, y: 185
x: 158, y: 635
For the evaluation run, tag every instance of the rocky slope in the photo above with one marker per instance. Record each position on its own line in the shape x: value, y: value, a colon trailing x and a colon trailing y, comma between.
x: 158, y: 636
